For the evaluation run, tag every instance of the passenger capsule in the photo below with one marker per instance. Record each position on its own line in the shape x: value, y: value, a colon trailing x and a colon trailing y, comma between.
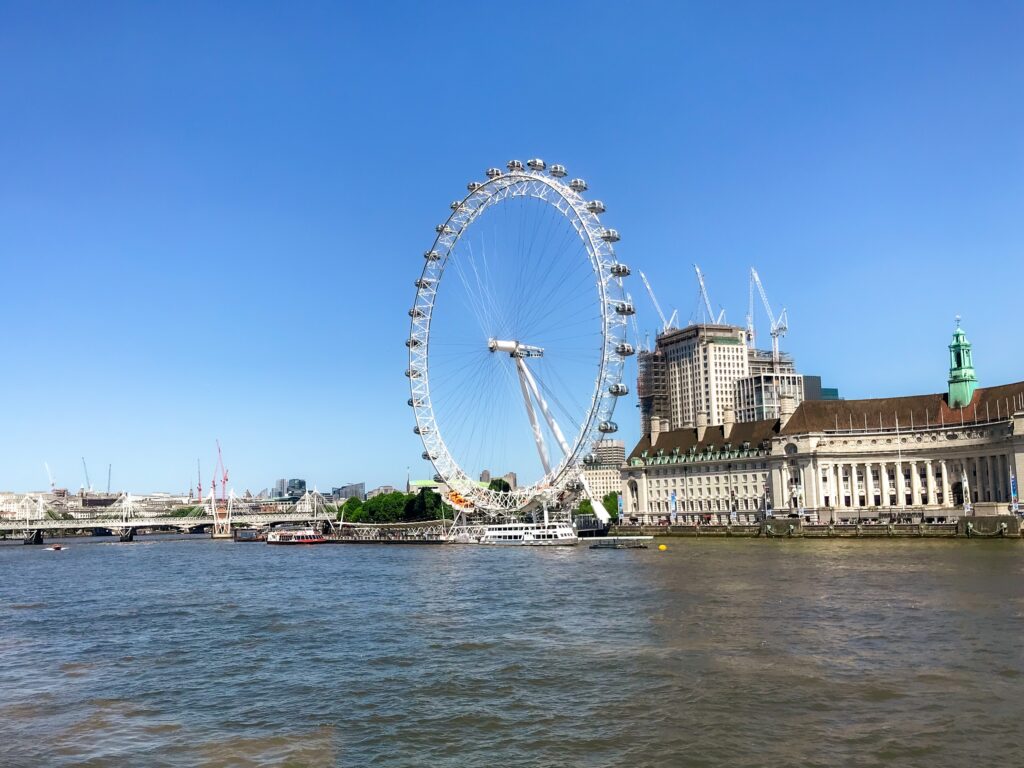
x: 438, y: 479
x: 620, y: 270
x: 578, y: 185
x: 590, y: 459
x: 431, y: 255
x: 625, y: 349
x: 610, y: 235
x: 574, y: 485
x: 618, y: 389
x: 456, y: 204
x: 426, y: 430
x: 558, y: 171
x: 493, y: 173
x: 444, y: 229
x: 515, y: 165
x: 625, y: 308
x: 428, y: 456
x: 423, y: 283
x: 412, y: 373
x: 415, y: 312
x: 607, y: 427
x: 410, y: 343
x: 411, y: 403
x: 473, y: 186
x: 536, y: 164
x: 595, y: 206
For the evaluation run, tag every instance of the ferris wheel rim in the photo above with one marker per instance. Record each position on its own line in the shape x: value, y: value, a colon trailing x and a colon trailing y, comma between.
x: 597, y: 242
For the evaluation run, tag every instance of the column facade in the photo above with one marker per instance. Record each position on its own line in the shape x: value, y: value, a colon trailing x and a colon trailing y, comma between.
x: 930, y: 477
x: 947, y: 494
x: 869, y: 485
x: 901, y: 485
x: 915, y: 485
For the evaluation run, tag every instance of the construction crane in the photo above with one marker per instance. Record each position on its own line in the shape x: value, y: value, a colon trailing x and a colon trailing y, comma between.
x: 109, y: 467
x: 665, y: 324
x: 88, y: 484
x: 199, y: 481
x: 751, y: 333
x: 223, y: 472
x: 707, y: 299
x: 49, y: 474
x: 778, y: 325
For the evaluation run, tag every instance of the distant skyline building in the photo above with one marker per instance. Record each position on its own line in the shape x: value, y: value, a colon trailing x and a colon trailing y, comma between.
x: 349, y: 491
x: 295, y: 487
x: 281, y: 488
x: 380, y: 491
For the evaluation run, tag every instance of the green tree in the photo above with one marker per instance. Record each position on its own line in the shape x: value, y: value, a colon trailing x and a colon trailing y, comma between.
x: 586, y: 508
x: 386, y: 508
x: 351, y: 507
x: 500, y: 484
x: 611, y: 504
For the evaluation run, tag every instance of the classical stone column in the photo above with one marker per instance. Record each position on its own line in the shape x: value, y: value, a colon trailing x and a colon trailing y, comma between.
x: 915, y: 484
x: 993, y: 477
x: 869, y: 486
x: 836, y: 479
x: 947, y: 493
x: 930, y: 477
x: 854, y: 496
x: 901, y: 485
x: 883, y: 480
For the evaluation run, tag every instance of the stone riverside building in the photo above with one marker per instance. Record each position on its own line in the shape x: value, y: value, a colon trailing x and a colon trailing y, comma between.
x: 842, y: 460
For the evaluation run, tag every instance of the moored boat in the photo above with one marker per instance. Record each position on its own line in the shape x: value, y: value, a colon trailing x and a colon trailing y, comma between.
x: 295, y: 536
x: 530, y: 534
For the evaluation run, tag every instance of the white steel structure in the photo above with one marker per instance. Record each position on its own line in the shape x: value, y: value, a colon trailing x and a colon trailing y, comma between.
x: 532, y: 317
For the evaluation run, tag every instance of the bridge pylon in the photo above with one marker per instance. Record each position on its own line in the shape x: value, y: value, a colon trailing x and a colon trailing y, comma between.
x: 222, y: 516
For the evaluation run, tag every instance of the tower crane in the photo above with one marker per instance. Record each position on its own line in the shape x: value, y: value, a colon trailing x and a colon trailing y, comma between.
x: 665, y: 324
x: 751, y: 333
x: 707, y: 299
x: 778, y: 325
x: 223, y: 471
x: 49, y: 474
x: 88, y: 484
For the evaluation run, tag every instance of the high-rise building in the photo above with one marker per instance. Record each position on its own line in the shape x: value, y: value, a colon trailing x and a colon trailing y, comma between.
x: 691, y: 375
x: 757, y: 394
x: 281, y: 488
x: 485, y: 476
x: 296, y: 487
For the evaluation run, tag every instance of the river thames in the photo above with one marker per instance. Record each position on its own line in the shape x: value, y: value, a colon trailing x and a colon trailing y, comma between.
x: 713, y: 653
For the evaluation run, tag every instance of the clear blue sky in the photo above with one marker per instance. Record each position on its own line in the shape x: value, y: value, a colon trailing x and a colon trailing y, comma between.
x: 211, y: 214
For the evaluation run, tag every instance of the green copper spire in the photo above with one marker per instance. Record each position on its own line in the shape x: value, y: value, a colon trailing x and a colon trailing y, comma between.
x: 962, y: 379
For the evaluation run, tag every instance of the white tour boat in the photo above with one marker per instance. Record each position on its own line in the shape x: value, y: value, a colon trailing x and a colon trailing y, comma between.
x: 295, y: 536
x: 549, y: 534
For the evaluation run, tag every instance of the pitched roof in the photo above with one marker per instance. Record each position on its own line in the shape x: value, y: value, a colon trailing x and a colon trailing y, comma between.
x: 988, y: 403
x: 753, y: 432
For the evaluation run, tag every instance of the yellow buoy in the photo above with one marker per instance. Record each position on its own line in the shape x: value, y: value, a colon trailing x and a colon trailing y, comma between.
x: 662, y: 547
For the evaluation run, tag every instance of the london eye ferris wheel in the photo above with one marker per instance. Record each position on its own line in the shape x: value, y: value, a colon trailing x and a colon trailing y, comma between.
x: 517, y: 340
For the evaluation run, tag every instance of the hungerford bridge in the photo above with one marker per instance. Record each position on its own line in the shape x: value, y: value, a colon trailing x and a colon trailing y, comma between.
x: 31, y: 517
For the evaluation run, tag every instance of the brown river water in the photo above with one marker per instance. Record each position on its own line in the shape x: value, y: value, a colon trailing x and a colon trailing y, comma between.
x: 713, y: 653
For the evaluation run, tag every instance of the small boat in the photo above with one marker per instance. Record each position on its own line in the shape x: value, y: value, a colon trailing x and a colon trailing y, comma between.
x: 621, y: 543
x: 296, y: 536
x: 55, y: 548
x: 248, y: 534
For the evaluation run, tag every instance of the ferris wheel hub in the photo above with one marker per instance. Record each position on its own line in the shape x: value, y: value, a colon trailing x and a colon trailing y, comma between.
x: 514, y: 348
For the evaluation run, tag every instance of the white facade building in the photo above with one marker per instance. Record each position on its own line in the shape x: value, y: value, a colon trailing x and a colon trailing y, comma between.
x: 602, y: 468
